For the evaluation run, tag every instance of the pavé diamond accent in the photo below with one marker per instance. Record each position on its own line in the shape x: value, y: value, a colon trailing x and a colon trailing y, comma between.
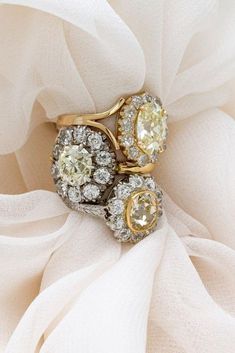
x: 61, y: 188
x: 56, y: 151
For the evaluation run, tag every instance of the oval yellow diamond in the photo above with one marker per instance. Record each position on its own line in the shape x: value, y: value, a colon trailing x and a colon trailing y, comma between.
x: 151, y: 128
x: 142, y: 211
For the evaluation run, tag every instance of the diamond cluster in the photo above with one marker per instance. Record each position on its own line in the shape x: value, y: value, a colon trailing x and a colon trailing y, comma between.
x: 134, y: 208
x: 83, y: 165
x: 142, y: 129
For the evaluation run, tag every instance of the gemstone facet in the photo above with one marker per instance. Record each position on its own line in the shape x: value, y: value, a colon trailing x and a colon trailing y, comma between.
x: 91, y: 192
x: 102, y: 176
x: 75, y: 165
x: 142, y: 208
x: 151, y: 128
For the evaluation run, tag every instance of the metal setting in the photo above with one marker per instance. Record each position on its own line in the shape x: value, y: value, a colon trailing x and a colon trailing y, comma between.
x: 89, y: 120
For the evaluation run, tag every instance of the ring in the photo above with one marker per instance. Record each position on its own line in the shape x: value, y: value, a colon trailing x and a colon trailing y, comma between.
x: 89, y: 177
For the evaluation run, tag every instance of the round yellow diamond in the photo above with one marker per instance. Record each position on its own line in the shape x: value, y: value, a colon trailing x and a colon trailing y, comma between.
x: 151, y: 128
x: 142, y: 211
x: 75, y: 165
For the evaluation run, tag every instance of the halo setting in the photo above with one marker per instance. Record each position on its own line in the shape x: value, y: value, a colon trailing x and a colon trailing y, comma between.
x: 134, y: 208
x: 83, y: 165
x: 142, y: 129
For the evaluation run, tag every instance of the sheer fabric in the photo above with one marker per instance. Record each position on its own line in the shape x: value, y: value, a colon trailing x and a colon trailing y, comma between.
x: 66, y: 284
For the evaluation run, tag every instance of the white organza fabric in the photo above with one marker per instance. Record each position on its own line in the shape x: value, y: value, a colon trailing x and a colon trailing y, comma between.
x: 65, y: 285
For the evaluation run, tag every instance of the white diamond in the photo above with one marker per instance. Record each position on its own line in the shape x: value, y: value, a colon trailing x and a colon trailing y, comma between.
x: 138, y: 236
x: 102, y: 176
x: 137, y: 101
x: 116, y: 207
x: 116, y: 223
x: 126, y: 124
x: 61, y: 188
x: 103, y: 158
x: 127, y: 140
x: 143, y: 160
x: 74, y: 194
x: 122, y: 235
x: 133, y: 153
x: 65, y: 136
x: 95, y: 141
x: 154, y: 157
x: 123, y: 191
x: 136, y: 181
x: 91, y: 192
x: 80, y: 134
x: 75, y: 165
x: 56, y: 151
x: 55, y: 170
x: 129, y: 111
x: 147, y: 98
x: 150, y: 183
x: 157, y: 101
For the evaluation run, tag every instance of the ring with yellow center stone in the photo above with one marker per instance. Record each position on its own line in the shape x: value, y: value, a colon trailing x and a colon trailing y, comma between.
x: 134, y: 208
x: 142, y: 129
x: 83, y: 165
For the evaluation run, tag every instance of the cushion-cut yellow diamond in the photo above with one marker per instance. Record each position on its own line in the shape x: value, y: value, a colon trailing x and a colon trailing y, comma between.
x: 75, y: 165
x: 142, y: 211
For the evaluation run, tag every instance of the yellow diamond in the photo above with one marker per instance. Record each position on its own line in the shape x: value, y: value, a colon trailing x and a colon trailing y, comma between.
x: 75, y: 165
x: 142, y: 211
x: 151, y: 128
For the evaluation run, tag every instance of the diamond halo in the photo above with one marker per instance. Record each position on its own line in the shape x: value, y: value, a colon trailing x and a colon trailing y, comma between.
x: 142, y: 129
x: 83, y: 165
x: 134, y: 208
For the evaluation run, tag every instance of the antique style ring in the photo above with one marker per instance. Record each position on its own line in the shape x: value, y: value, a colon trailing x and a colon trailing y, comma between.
x: 90, y: 178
